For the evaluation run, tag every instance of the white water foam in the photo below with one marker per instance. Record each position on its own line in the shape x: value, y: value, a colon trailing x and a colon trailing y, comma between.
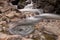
x: 30, y: 8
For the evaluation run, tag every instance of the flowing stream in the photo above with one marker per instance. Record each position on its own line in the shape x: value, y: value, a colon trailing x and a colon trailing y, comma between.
x: 30, y: 8
x: 29, y: 20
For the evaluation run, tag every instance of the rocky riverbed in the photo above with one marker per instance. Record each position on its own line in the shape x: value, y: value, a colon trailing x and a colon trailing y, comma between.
x: 12, y: 29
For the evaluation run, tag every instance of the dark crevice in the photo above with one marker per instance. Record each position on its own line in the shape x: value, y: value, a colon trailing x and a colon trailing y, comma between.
x: 15, y: 2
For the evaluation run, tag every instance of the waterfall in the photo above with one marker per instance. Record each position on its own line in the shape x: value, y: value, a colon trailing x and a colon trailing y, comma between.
x: 30, y: 8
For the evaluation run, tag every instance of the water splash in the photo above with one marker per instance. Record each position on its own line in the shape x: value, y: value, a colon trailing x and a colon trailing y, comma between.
x: 30, y: 8
x: 37, y: 18
x: 48, y: 16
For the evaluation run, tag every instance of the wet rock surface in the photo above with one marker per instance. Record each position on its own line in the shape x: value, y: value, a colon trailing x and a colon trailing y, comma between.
x: 23, y: 29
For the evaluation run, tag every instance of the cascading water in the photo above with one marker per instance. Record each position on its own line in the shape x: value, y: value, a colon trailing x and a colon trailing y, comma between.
x: 26, y: 26
x: 30, y: 8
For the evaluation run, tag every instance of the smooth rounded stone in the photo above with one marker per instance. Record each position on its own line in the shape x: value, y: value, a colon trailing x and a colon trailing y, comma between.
x: 21, y: 29
x: 10, y: 15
